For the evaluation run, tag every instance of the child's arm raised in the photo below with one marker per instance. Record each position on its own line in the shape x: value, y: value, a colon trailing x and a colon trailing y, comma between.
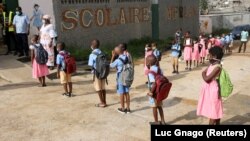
x: 212, y: 75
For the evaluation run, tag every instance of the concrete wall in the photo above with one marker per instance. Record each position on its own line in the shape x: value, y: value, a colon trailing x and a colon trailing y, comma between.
x: 171, y: 20
x: 107, y: 20
x: 45, y: 5
x: 112, y: 21
x: 224, y: 21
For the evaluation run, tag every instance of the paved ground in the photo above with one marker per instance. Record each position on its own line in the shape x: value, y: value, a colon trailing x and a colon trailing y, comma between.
x: 29, y: 113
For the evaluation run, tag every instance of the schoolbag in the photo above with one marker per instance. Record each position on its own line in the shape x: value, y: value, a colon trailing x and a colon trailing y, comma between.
x: 70, y: 63
x: 225, y: 84
x: 127, y: 74
x: 41, y: 55
x: 102, y: 66
x: 162, y: 86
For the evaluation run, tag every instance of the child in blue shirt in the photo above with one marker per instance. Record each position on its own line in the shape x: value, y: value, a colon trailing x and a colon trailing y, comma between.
x: 151, y: 63
x: 175, y: 56
x: 122, y: 90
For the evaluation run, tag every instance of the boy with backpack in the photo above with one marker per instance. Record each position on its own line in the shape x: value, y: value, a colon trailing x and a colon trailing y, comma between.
x: 100, y: 68
x: 159, y: 88
x: 66, y: 65
x: 125, y: 76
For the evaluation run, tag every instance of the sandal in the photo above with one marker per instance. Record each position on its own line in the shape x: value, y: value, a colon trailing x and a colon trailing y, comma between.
x: 186, y: 68
x: 100, y: 105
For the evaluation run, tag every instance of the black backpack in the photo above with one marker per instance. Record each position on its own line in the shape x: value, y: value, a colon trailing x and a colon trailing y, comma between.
x: 41, y: 55
x: 102, y: 66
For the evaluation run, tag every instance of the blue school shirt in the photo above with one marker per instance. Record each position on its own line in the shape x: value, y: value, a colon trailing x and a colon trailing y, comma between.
x: 151, y: 77
x: 118, y: 64
x: 227, y: 39
x: 175, y: 50
x: 244, y: 36
x: 60, y: 60
x: 92, y: 58
x: 22, y: 23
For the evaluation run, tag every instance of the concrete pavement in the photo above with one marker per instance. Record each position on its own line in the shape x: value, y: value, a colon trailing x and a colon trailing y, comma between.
x: 32, y: 113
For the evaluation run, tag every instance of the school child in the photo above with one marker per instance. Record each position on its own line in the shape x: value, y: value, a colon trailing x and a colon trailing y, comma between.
x: 151, y: 63
x: 188, y: 46
x: 196, y: 53
x: 227, y: 43
x: 39, y: 69
x: 203, y: 49
x: 156, y: 53
x: 210, y: 44
x: 210, y: 102
x: 148, y: 52
x: 175, y: 56
x: 99, y: 84
x: 122, y: 90
x: 217, y: 41
x: 65, y: 77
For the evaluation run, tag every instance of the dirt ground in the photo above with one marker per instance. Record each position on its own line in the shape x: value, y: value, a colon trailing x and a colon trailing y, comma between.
x: 30, y: 113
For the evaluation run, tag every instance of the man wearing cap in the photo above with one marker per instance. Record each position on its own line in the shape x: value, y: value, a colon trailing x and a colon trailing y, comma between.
x: 21, y: 24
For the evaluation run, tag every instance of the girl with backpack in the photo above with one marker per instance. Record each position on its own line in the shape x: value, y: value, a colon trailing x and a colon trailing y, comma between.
x: 188, y: 44
x: 210, y: 101
x: 39, y: 71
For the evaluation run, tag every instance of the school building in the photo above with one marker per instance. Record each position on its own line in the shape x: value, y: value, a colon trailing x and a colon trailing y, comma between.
x: 112, y: 21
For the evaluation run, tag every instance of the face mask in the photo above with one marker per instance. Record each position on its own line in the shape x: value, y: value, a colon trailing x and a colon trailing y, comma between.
x: 43, y: 21
x: 18, y: 13
x: 146, y: 49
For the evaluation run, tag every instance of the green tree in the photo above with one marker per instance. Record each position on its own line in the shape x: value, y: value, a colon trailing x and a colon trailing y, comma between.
x: 203, y: 4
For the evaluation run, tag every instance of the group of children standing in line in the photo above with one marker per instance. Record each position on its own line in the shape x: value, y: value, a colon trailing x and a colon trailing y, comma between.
x: 210, y: 104
x: 197, y: 50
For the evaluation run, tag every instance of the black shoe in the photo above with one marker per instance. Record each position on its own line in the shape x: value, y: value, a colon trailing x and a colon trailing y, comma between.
x: 177, y: 72
x: 69, y: 94
x: 128, y: 111
x: 174, y: 72
x: 20, y: 55
x: 122, y: 111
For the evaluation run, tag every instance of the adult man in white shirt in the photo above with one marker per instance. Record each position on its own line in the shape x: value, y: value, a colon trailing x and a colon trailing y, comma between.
x: 21, y: 23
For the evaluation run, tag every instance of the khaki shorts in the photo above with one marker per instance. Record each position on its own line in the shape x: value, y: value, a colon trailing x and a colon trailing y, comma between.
x: 65, y: 78
x: 175, y: 61
x: 99, y: 85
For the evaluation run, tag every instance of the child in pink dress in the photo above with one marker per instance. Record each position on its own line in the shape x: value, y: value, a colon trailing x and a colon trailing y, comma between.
x: 148, y: 52
x: 210, y: 102
x: 39, y: 71
x: 203, y: 50
x: 196, y: 53
x: 188, y: 47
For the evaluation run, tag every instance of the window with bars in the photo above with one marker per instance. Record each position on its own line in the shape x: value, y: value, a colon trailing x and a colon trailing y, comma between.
x: 120, y: 1
x: 83, y: 1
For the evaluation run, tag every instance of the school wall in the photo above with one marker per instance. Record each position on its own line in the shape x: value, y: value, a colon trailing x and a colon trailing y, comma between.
x: 214, y: 22
x: 175, y: 14
x: 110, y: 21
x: 114, y: 21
